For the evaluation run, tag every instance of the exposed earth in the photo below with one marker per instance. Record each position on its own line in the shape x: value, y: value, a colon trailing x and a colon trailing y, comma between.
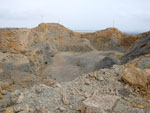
x: 51, y: 69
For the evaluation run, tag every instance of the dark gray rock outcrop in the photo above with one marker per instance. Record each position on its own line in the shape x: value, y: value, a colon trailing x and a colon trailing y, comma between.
x: 141, y: 48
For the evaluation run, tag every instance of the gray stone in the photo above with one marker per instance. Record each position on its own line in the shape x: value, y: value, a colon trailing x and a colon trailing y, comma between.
x: 99, y: 104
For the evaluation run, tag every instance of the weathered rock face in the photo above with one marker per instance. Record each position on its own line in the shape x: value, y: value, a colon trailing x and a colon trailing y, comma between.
x: 14, y: 40
x: 112, y: 39
x: 139, y: 78
x: 60, y: 38
x: 142, y: 62
x: 17, y: 70
x: 136, y: 77
x: 56, y: 36
x: 141, y: 48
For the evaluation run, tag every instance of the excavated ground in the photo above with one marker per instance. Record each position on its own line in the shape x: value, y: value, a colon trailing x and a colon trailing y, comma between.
x: 51, y: 69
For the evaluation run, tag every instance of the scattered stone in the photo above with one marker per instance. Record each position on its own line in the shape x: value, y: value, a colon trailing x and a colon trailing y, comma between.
x: 1, y: 70
x: 21, y: 97
x: 87, y: 95
x: 141, y: 105
x: 65, y: 100
x: 101, y: 78
x: 62, y: 109
x: 6, y: 85
x: 22, y: 108
x: 38, y: 89
x: 70, y: 107
x: 1, y: 96
x: 121, y: 106
x: 9, y: 110
x: 98, y: 104
x: 49, y: 82
x: 1, y: 65
x: 58, y: 85
x: 42, y: 110
x: 1, y: 90
x: 4, y: 92
x: 87, y: 82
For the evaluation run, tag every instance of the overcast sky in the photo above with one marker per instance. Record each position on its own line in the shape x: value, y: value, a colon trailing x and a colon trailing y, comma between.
x: 128, y: 15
